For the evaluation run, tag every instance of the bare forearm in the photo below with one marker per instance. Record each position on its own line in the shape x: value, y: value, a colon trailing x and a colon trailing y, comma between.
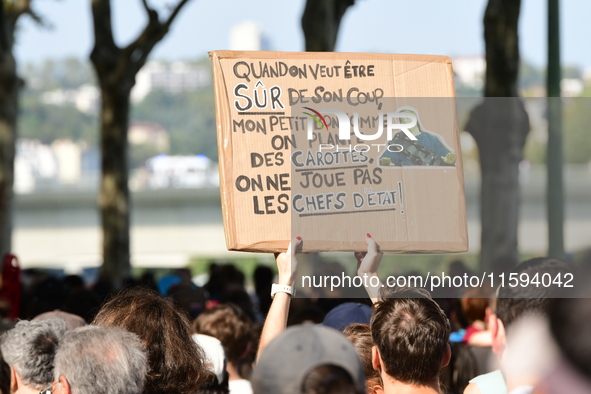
x: 368, y: 269
x: 372, y: 291
x: 276, y: 320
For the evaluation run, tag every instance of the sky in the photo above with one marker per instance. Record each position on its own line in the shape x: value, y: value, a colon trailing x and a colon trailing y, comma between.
x: 450, y: 27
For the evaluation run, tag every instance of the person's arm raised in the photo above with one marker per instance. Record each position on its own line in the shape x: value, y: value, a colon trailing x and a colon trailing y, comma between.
x: 276, y: 320
x: 368, y: 268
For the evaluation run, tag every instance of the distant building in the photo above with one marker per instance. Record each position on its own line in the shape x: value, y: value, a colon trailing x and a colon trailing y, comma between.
x: 246, y: 36
x: 34, y: 164
x: 469, y: 71
x: 181, y: 172
x: 175, y: 77
x: 85, y: 98
x: 571, y: 87
x: 24, y: 179
x: 149, y: 133
x: 69, y: 160
x: 39, y: 167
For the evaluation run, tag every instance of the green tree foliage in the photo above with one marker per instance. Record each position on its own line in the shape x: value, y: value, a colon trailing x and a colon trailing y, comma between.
x: 530, y: 76
x: 577, y: 116
x: 47, y: 122
x: 138, y: 154
x: 189, y: 118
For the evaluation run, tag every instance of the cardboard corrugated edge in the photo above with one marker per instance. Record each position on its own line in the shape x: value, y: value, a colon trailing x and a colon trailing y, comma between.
x: 463, y: 233
x: 218, y: 55
x: 225, y: 145
x: 222, y: 111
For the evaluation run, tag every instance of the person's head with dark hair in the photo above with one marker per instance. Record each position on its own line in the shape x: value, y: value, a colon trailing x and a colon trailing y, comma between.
x: 46, y: 295
x: 215, y: 284
x: 321, y: 361
x: 233, y: 328
x: 83, y: 303
x: 524, y: 296
x: 73, y: 283
x: 232, y: 275
x: 462, y: 367
x: 29, y: 349
x: 410, y: 333
x: 475, y: 302
x: 302, y: 310
x: 453, y: 310
x: 263, y: 280
x: 148, y: 280
x: 513, y: 302
x: 175, y: 360
x: 360, y: 336
x: 238, y: 296
x: 103, y: 287
x: 570, y: 320
x: 188, y: 297
x: 183, y: 273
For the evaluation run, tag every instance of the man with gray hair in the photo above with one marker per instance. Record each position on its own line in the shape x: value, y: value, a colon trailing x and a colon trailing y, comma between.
x: 100, y: 360
x: 29, y: 349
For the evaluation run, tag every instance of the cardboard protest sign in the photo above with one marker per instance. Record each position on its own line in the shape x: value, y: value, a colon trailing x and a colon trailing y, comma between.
x: 331, y: 146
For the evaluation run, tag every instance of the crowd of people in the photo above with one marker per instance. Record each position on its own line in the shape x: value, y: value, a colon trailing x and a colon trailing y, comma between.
x: 172, y: 336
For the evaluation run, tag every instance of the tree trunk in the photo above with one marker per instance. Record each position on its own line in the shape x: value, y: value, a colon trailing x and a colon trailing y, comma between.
x: 321, y: 21
x: 555, y: 184
x: 499, y: 126
x: 9, y: 90
x: 114, y: 198
x: 10, y: 84
x: 116, y: 69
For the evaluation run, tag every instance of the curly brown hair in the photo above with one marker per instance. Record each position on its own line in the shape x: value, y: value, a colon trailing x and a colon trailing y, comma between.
x: 360, y: 335
x: 230, y: 325
x: 175, y: 360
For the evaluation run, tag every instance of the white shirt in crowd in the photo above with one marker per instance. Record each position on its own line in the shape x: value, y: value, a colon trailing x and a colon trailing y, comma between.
x: 241, y: 386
